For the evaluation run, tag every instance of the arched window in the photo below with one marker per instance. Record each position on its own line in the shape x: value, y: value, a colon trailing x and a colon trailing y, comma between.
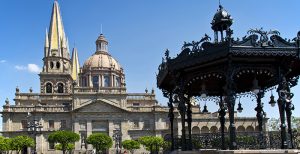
x: 48, y: 88
x: 214, y: 129
x: 51, y: 64
x: 95, y: 81
x: 118, y: 82
x: 106, y: 81
x: 204, y: 129
x: 60, y: 88
x: 195, y: 130
x: 57, y: 65
x: 84, y: 83
x: 249, y: 129
x: 240, y: 129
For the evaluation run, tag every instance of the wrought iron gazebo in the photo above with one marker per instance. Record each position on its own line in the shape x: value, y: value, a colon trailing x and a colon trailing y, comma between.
x: 227, y: 67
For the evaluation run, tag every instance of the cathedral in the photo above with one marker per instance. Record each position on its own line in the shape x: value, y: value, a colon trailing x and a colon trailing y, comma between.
x: 92, y: 98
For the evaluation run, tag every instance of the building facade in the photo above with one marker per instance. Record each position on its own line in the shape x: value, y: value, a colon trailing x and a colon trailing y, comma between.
x: 92, y: 98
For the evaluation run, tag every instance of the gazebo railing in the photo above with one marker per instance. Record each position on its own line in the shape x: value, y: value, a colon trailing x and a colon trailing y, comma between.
x: 245, y: 140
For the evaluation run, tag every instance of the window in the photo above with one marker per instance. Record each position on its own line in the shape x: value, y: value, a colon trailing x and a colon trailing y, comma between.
x: 95, y: 81
x: 146, y: 124
x: 57, y: 65
x: 51, y: 146
x: 118, y: 82
x: 60, y: 88
x: 82, y: 125
x: 106, y: 81
x: 84, y: 83
x: 48, y: 88
x: 51, y: 65
x: 51, y: 124
x: 24, y: 124
x: 63, y: 124
x: 135, y: 104
x: 136, y: 124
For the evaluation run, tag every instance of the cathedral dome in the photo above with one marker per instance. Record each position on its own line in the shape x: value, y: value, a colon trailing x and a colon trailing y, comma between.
x: 102, y: 59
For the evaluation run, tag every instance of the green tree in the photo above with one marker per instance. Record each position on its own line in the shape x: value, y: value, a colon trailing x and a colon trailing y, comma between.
x: 64, y: 138
x: 152, y: 143
x: 100, y: 141
x: 4, y: 144
x: 18, y: 143
x: 131, y: 145
x: 70, y: 147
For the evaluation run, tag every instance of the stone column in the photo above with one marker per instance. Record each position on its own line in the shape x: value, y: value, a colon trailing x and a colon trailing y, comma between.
x: 89, y: 131
x: 124, y: 130
x: 110, y: 128
x: 76, y: 130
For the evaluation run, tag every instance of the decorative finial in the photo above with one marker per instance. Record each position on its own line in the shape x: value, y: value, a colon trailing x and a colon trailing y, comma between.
x: 30, y: 90
x: 6, y: 101
x: 101, y: 29
x: 146, y: 90
x: 152, y: 91
x: 17, y: 89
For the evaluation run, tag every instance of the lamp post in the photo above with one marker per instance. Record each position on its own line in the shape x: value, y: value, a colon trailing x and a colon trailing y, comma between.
x: 117, y: 137
x: 34, y: 127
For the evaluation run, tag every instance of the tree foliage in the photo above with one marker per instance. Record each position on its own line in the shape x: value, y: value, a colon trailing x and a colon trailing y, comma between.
x: 64, y: 138
x: 100, y: 141
x: 274, y: 124
x: 4, y: 144
x: 152, y: 143
x: 131, y: 145
x: 20, y: 142
x: 70, y: 146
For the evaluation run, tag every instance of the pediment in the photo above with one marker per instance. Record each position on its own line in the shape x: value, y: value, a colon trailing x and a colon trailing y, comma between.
x: 103, y: 106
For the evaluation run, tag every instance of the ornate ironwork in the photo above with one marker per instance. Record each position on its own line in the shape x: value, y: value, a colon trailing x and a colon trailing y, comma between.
x: 264, y: 39
x: 265, y: 54
x: 245, y: 140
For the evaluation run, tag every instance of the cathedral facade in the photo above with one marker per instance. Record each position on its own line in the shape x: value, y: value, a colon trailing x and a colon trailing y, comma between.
x: 92, y: 98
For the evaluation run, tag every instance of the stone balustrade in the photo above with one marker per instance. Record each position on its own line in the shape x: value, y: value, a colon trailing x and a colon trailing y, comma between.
x: 59, y: 108
x: 102, y: 90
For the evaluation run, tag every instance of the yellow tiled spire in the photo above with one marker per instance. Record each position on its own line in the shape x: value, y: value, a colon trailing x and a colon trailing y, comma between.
x: 75, y: 65
x: 57, y: 38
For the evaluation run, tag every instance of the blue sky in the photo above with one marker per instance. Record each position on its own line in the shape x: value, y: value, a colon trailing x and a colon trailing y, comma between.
x: 138, y: 32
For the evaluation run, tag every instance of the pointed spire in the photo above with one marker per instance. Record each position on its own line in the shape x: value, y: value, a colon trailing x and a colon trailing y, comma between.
x: 75, y: 64
x: 46, y: 39
x: 57, y: 38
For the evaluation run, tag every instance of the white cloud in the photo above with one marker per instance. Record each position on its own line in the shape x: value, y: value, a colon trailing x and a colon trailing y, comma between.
x: 21, y: 68
x: 32, y: 68
x: 2, y: 61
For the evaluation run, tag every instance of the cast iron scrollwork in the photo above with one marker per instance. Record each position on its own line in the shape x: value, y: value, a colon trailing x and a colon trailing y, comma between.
x: 196, y: 45
x: 264, y: 39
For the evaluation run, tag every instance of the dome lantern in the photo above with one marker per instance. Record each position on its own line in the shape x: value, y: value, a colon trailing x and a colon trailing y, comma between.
x: 221, y: 22
x: 101, y: 44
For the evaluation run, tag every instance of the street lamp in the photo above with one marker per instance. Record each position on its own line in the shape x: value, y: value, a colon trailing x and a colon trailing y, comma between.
x: 34, y: 127
x: 272, y: 101
x: 240, y: 108
x: 117, y: 137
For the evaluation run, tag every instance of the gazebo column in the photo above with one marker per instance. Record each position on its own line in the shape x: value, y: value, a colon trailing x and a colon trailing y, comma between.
x: 182, y: 111
x: 260, y: 115
x: 171, y: 118
x: 230, y: 105
x: 289, y: 107
x: 222, y: 114
x: 189, y: 121
x: 281, y: 106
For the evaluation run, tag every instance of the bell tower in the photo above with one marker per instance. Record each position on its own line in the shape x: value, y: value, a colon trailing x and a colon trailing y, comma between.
x: 56, y: 74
